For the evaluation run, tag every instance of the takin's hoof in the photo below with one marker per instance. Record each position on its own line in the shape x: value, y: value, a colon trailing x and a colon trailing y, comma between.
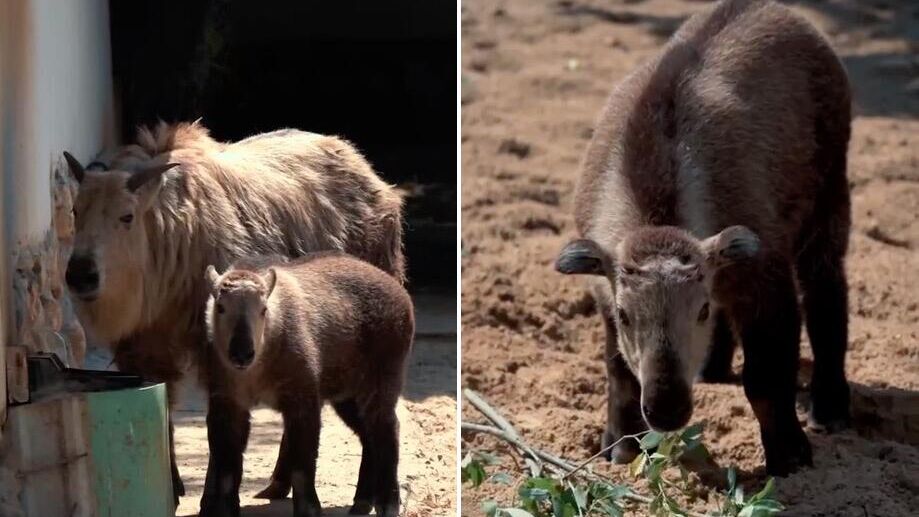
x: 623, y: 452
x: 788, y: 452
x: 829, y: 411
x: 216, y: 506
x: 275, y: 490
x: 388, y: 510
x: 360, y: 508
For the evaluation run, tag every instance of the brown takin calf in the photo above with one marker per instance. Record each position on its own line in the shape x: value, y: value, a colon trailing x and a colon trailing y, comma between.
x: 743, y: 119
x: 326, y: 327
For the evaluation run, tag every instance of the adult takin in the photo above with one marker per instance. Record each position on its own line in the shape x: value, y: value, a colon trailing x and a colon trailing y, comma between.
x: 178, y: 200
x: 716, y: 179
x: 325, y: 327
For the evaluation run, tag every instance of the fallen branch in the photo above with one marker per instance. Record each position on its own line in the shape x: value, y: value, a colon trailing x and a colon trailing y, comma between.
x: 505, y: 431
x: 530, y: 458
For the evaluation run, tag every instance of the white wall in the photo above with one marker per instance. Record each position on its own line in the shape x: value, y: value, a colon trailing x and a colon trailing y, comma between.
x: 55, y: 95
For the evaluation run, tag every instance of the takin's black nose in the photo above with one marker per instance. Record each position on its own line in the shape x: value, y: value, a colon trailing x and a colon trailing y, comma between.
x: 667, y: 410
x: 82, y: 276
x: 242, y: 351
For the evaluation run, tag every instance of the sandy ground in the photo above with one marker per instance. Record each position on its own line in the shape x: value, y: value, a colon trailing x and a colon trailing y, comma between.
x: 427, y: 415
x: 535, y: 75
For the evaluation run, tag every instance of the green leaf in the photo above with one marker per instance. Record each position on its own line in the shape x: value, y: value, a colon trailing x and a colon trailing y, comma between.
x: 732, y: 479
x: 562, y: 508
x: 536, y: 494
x: 766, y: 492
x: 692, y: 433
x: 580, y: 496
x: 650, y: 440
x: 474, y: 473
x: 490, y: 508
x: 637, y: 466
x: 503, y: 478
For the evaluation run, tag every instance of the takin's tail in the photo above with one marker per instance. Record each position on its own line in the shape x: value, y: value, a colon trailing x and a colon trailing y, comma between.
x: 391, y: 257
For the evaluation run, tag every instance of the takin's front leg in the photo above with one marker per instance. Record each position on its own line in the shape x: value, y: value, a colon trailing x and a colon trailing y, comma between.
x: 227, y: 434
x: 770, y: 328
x: 279, y: 486
x: 623, y: 404
x: 301, y: 426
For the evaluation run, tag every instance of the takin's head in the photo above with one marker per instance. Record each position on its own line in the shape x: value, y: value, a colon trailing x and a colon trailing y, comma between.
x: 236, y: 314
x: 110, y: 241
x: 662, y: 280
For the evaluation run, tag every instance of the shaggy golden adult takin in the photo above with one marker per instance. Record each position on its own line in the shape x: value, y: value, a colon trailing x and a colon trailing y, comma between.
x: 178, y: 200
x: 714, y: 187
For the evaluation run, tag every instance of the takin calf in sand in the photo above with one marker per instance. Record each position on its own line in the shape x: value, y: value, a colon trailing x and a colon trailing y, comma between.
x: 714, y: 188
x: 326, y: 327
x: 178, y: 200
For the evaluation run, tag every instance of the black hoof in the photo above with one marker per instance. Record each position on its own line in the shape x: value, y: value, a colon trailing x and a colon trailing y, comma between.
x: 275, y: 490
x: 360, y: 508
x: 788, y: 453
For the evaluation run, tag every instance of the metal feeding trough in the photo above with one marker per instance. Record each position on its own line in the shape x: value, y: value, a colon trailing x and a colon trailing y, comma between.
x: 90, y: 442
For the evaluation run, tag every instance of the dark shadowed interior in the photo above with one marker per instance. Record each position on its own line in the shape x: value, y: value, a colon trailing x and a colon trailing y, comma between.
x: 382, y: 75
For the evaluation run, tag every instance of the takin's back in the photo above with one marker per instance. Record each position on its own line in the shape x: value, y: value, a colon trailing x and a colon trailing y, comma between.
x: 352, y: 311
x: 287, y: 192
x: 742, y: 119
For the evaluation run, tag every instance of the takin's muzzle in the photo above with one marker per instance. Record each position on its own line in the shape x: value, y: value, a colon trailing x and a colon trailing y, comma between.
x: 242, y: 349
x: 666, y: 397
x: 82, y: 276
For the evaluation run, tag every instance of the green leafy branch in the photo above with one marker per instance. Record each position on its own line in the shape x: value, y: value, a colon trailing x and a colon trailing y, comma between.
x: 557, y: 488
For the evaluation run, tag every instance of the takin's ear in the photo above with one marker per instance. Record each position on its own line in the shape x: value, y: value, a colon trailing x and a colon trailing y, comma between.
x: 212, y: 277
x: 731, y: 245
x: 582, y: 257
x: 270, y: 279
x: 141, y: 178
x: 76, y: 168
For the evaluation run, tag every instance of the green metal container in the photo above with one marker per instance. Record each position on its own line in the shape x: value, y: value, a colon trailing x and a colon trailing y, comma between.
x: 129, y: 445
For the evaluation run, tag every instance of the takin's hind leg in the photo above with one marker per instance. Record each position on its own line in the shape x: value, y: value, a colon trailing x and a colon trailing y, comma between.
x: 349, y: 412
x: 717, y: 367
x: 279, y: 486
x: 383, y: 435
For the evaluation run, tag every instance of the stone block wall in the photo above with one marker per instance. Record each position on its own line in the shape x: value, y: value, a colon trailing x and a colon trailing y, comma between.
x: 44, y: 319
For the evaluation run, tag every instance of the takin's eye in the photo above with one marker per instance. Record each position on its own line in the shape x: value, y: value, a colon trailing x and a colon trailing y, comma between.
x: 623, y: 318
x: 127, y: 218
x: 264, y: 310
x: 703, y: 313
x: 220, y: 309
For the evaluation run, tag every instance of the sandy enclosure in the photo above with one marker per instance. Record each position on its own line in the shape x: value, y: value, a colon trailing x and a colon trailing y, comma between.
x: 535, y: 75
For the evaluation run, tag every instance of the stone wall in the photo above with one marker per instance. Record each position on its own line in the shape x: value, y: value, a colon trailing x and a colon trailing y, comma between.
x: 44, y: 320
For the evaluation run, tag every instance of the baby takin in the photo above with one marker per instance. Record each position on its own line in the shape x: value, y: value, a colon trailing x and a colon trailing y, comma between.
x: 713, y: 192
x: 325, y: 327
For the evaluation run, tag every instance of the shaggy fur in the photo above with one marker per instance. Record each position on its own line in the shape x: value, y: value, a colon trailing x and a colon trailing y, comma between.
x: 743, y: 119
x: 333, y: 329
x: 288, y: 193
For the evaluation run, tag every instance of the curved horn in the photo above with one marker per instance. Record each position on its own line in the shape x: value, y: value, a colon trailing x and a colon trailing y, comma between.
x: 75, y: 167
x: 140, y: 178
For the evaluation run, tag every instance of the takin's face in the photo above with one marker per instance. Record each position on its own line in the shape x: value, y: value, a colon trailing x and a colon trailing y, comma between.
x: 236, y: 314
x: 662, y: 280
x: 110, y: 239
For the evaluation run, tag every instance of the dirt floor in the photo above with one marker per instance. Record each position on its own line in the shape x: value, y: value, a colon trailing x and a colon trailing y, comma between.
x: 427, y: 415
x: 534, y: 76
